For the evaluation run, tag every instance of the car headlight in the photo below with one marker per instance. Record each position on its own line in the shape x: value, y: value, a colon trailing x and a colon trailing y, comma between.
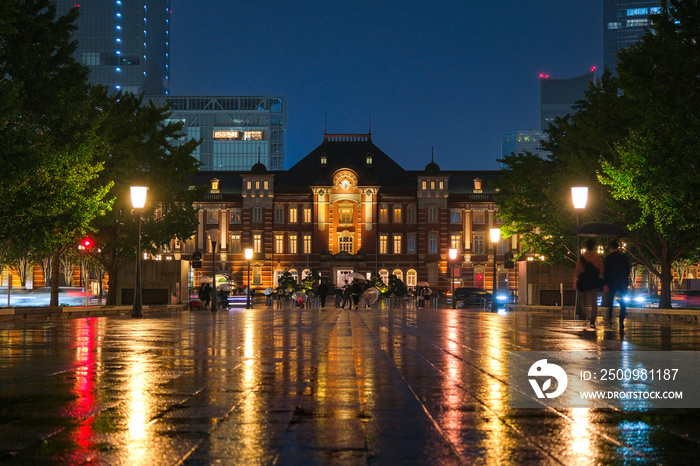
x: 501, y: 297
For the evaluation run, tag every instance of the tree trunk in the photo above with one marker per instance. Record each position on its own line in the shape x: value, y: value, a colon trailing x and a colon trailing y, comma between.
x: 666, y: 279
x: 55, y: 269
x: 112, y: 287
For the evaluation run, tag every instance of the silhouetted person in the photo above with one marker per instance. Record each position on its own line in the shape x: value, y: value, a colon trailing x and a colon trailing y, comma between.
x: 617, y: 273
x: 322, y: 292
x: 589, y: 268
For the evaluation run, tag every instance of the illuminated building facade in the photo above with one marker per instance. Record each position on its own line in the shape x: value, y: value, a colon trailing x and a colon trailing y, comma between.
x: 519, y: 142
x: 125, y: 44
x: 236, y: 131
x: 348, y: 207
x: 624, y: 24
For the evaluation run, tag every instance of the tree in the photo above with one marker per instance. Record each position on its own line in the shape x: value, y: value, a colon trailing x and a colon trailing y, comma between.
x: 142, y: 149
x: 48, y: 138
x: 634, y: 142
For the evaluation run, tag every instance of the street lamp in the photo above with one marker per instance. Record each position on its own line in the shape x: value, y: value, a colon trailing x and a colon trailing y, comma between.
x: 138, y: 200
x: 214, y: 238
x: 579, y: 195
x: 248, y: 256
x: 453, y: 259
x: 495, y: 236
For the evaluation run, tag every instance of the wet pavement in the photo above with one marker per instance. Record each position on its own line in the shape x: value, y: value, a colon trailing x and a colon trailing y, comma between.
x: 380, y: 386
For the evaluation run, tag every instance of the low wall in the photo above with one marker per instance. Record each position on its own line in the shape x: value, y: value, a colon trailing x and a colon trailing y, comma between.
x: 19, y: 313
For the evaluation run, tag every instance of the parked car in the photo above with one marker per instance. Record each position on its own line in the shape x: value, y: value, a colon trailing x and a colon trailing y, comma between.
x: 470, y: 296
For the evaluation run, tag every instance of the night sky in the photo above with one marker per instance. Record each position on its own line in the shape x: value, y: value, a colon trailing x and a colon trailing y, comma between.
x: 448, y: 74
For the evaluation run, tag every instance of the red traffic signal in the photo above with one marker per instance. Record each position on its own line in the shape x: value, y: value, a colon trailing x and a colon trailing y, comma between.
x: 86, y: 243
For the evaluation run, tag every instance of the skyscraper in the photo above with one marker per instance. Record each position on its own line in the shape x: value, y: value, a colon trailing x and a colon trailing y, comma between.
x: 625, y: 22
x: 236, y: 131
x: 125, y: 43
x: 558, y: 96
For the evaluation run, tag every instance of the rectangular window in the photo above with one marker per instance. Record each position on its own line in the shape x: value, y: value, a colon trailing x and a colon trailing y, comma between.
x: 292, y: 215
x: 257, y: 214
x: 235, y: 215
x: 266, y: 185
x: 345, y: 244
x: 432, y: 185
x: 411, y: 243
x: 456, y: 242
x: 307, y: 214
x: 252, y: 135
x: 293, y: 241
x: 397, y: 244
x: 257, y: 242
x: 455, y: 216
x: 479, y: 217
x: 383, y: 243
x: 432, y: 243
x: 250, y: 185
x: 279, y: 214
x: 502, y: 246
x: 212, y: 216
x: 442, y: 185
x: 257, y: 185
x: 424, y: 185
x: 235, y: 243
x: 279, y: 243
x: 383, y: 214
x: 307, y: 243
x: 397, y: 215
x: 432, y: 215
x: 637, y: 11
x: 478, y: 247
x: 411, y: 217
x: 345, y: 215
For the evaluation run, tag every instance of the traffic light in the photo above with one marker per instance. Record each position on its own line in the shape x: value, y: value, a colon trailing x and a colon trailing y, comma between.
x: 86, y: 243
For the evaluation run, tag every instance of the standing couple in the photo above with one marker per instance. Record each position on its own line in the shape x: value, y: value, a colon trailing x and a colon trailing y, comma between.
x: 612, y: 275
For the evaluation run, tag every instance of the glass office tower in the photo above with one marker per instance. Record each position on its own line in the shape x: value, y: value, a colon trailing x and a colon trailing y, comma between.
x: 236, y: 131
x: 625, y: 23
x: 125, y: 43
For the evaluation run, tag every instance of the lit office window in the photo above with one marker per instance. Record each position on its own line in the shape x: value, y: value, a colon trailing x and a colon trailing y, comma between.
x: 383, y: 243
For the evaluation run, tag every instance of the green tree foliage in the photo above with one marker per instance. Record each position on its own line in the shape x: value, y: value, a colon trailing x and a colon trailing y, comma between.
x: 143, y: 148
x: 634, y: 142
x: 48, y: 139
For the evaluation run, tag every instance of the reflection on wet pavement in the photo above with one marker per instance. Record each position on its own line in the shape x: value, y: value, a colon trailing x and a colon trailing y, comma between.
x: 384, y: 386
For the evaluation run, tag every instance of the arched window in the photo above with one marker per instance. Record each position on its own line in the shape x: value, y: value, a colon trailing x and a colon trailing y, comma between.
x: 398, y: 274
x: 278, y: 276
x: 305, y: 273
x: 384, y: 275
x: 411, y: 277
x: 295, y: 274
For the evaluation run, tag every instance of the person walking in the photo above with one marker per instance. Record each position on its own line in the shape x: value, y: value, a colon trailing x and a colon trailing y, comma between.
x: 347, y: 295
x: 355, y: 292
x: 322, y: 292
x: 205, y: 295
x: 589, y: 269
x: 617, y: 273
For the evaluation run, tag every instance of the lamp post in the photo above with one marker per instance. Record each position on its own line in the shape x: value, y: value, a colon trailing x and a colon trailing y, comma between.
x: 248, y: 256
x: 138, y: 200
x: 579, y: 195
x: 214, y: 238
x: 453, y: 259
x: 495, y: 236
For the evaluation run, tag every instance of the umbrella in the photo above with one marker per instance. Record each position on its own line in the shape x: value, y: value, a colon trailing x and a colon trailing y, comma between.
x: 356, y: 276
x: 296, y: 294
x: 422, y: 284
x: 268, y: 291
x: 599, y: 229
x: 224, y: 287
x: 370, y: 295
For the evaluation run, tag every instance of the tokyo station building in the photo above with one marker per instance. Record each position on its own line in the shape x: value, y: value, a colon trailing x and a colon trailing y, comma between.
x: 349, y: 207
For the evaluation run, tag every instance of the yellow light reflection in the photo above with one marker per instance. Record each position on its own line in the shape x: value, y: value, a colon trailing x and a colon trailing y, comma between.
x: 580, y: 438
